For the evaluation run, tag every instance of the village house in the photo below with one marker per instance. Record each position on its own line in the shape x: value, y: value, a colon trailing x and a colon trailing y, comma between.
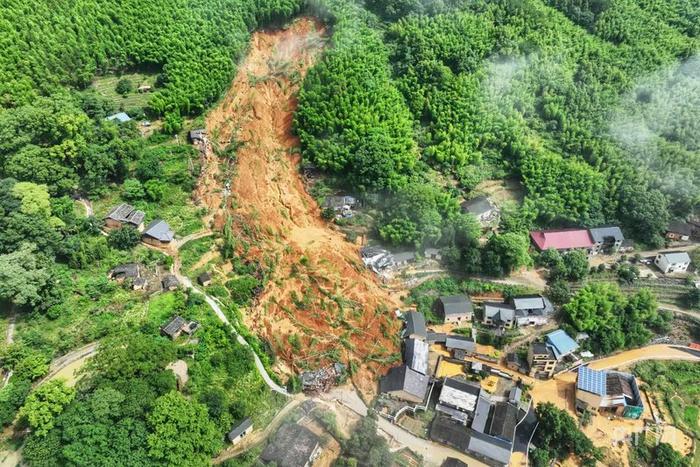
x: 403, y: 259
x: 607, y: 239
x: 124, y: 271
x: 292, y: 446
x: 498, y: 314
x: 532, y: 310
x: 197, y: 136
x: 491, y: 434
x: 561, y: 343
x: 460, y: 347
x: 433, y: 253
x: 482, y: 208
x: 204, y: 279
x: 672, y: 261
x: 124, y: 215
x: 436, y: 337
x: 562, y: 240
x: 541, y: 360
x: 404, y: 383
x: 177, y: 325
x: 340, y: 203
x: 120, y: 117
x: 679, y: 231
x: 240, y: 431
x: 415, y: 326
x: 158, y: 233
x: 170, y: 282
x: 608, y: 392
x: 454, y: 309
x: 458, y: 399
x: 416, y: 355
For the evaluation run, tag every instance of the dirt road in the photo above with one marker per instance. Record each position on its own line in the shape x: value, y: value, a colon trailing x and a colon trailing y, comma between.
x: 319, y: 294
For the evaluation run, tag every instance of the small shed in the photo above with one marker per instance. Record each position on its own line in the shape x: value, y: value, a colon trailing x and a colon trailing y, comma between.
x: 204, y: 279
x: 120, y: 117
x: 144, y: 88
x: 240, y: 431
x: 170, y: 282
x: 199, y: 134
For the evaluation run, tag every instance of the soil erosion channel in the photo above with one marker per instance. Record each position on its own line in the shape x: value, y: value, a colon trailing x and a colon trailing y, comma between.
x: 320, y: 305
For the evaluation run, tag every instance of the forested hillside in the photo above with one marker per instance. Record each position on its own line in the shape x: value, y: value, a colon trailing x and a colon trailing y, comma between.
x: 549, y: 92
x: 590, y: 107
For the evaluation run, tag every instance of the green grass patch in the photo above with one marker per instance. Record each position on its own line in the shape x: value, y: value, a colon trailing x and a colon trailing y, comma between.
x: 193, y: 251
x: 106, y: 87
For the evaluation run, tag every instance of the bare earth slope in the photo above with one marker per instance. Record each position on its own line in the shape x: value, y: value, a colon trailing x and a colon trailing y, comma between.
x: 321, y: 304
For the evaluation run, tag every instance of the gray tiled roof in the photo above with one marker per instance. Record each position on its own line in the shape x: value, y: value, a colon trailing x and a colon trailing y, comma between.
x: 599, y: 234
x: 173, y: 326
x: 402, y: 378
x: 676, y: 256
x: 456, y: 305
x: 416, y: 355
x: 499, y: 312
x: 460, y: 342
x: 415, y: 324
x: 477, y: 206
x: 160, y: 230
x: 240, y: 428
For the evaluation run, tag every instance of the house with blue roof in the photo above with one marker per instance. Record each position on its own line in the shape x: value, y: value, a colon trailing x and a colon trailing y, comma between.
x: 612, y: 392
x: 120, y: 117
x: 561, y: 343
x: 543, y: 357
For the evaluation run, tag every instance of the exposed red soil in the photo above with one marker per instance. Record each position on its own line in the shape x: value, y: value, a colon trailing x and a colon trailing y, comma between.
x: 319, y: 291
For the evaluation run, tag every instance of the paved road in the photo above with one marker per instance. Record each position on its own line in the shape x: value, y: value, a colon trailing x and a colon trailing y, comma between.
x: 433, y: 453
x: 65, y: 360
x: 214, y: 305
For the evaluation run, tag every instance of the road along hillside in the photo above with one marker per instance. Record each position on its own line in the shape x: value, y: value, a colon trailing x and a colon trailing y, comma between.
x: 320, y: 304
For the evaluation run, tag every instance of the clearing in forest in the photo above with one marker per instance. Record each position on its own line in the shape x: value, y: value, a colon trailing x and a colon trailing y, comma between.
x: 320, y: 305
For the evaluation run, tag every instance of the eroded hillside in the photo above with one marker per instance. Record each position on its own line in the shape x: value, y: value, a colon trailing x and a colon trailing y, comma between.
x: 320, y: 305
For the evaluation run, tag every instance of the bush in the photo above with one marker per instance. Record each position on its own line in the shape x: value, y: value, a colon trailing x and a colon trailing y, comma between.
x: 124, y: 86
x: 124, y: 238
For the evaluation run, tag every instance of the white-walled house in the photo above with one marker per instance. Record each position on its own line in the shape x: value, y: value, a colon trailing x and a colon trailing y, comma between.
x: 672, y: 261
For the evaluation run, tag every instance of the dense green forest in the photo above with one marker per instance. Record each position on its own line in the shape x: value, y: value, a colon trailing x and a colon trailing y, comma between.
x: 591, y: 105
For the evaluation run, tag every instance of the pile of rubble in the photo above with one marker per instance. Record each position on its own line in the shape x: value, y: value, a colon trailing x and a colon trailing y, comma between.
x: 323, y: 379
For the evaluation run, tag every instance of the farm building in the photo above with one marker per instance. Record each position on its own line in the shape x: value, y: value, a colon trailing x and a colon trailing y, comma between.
x: 124, y: 215
x: 177, y: 325
x: 124, y: 271
x: 482, y: 208
x: 499, y: 314
x: 679, y: 231
x: 170, y: 282
x: 562, y: 240
x: 198, y: 135
x: 204, y: 279
x: 120, y: 117
x: 158, y: 233
x: 240, y: 431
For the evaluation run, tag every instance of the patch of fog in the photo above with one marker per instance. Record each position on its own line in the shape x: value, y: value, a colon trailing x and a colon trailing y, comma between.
x: 658, y: 125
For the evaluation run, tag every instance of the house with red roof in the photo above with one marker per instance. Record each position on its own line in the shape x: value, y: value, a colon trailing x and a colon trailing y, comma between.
x: 562, y: 239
